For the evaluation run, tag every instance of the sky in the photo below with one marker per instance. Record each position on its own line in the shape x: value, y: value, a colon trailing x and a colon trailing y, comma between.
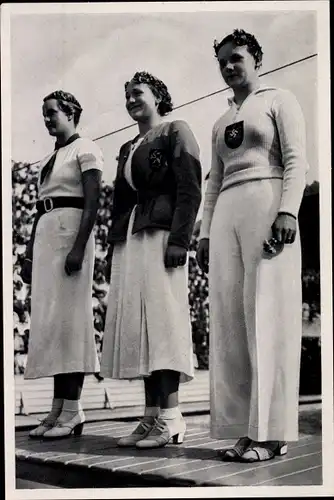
x: 92, y: 55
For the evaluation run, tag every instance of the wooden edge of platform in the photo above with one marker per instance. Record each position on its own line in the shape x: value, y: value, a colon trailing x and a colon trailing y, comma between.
x: 52, y: 473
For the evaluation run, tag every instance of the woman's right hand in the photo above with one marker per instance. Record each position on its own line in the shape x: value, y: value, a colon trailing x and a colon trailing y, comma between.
x: 202, y: 254
x: 26, y: 271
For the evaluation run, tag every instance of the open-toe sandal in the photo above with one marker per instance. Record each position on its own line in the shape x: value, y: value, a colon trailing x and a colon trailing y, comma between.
x: 235, y: 453
x: 258, y: 453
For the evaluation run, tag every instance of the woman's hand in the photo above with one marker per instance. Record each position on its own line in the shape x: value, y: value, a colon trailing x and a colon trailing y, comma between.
x: 202, y: 254
x: 175, y: 256
x: 26, y: 271
x: 285, y: 228
x: 107, y: 269
x: 74, y: 260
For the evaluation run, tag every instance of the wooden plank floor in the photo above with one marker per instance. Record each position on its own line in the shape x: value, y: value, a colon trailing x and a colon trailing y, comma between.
x: 94, y: 460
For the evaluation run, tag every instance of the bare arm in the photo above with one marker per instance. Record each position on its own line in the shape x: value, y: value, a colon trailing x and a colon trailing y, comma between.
x: 91, y: 181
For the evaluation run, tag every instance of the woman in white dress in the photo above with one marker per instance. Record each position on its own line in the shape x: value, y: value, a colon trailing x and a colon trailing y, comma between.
x: 254, y: 191
x: 156, y: 199
x: 59, y: 265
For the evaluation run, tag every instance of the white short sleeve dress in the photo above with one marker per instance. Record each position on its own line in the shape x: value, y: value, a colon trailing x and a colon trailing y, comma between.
x: 62, y: 333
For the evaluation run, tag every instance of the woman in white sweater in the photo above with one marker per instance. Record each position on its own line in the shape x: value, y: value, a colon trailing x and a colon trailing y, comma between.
x: 249, y: 234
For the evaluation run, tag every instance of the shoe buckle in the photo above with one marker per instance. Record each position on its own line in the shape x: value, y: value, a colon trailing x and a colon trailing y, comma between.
x: 48, y: 204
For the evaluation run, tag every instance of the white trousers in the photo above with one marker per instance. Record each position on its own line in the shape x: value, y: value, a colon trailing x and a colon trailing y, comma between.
x: 255, y: 319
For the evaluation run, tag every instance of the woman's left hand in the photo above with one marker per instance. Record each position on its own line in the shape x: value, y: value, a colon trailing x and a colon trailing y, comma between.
x: 285, y: 228
x: 175, y: 256
x: 73, y: 262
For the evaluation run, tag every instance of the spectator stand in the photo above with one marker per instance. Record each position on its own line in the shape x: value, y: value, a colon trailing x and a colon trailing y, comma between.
x: 24, y: 183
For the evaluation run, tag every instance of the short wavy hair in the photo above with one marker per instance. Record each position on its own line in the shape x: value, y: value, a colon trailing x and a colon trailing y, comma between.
x: 240, y: 38
x: 158, y: 88
x: 67, y: 103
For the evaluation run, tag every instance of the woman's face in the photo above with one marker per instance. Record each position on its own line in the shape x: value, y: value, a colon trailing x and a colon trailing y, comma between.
x: 141, y: 103
x: 237, y: 65
x: 56, y: 121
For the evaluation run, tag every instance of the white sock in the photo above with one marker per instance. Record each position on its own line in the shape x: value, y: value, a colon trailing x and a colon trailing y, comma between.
x: 70, y: 408
x: 151, y: 411
x: 170, y: 413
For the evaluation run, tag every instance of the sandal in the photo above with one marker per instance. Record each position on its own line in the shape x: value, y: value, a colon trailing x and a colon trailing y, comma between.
x: 260, y: 452
x: 234, y: 454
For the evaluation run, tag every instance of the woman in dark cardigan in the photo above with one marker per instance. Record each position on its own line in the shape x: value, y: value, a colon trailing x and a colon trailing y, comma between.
x: 157, y: 196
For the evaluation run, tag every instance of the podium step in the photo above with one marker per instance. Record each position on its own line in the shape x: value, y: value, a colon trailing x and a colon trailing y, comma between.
x: 94, y: 461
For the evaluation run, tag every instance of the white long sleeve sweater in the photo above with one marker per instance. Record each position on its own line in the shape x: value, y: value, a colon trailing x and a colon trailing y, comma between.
x: 273, y: 146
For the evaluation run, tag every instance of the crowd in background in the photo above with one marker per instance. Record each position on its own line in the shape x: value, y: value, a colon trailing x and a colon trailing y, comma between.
x: 24, y: 193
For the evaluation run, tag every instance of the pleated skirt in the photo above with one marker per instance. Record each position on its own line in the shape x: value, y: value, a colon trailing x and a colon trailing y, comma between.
x: 61, y: 333
x: 147, y: 323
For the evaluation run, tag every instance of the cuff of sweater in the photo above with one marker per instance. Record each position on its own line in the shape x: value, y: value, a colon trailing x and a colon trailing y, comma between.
x: 204, y: 235
x: 177, y: 243
x: 283, y: 212
x: 204, y: 230
x: 287, y: 208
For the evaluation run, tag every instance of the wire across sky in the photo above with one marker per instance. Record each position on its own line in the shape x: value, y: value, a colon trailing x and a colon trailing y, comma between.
x: 188, y: 103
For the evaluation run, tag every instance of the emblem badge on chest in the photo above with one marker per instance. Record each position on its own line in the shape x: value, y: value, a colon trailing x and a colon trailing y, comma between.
x: 234, y: 135
x: 157, y: 159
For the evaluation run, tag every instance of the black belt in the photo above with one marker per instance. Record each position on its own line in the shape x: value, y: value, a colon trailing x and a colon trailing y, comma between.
x: 49, y: 204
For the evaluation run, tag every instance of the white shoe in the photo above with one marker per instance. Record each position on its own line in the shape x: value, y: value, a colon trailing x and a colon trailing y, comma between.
x: 64, y: 429
x: 141, y: 431
x: 45, y: 425
x: 163, y: 431
x: 49, y: 421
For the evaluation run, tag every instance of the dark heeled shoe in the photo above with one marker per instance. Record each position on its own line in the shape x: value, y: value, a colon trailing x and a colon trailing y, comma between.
x: 260, y: 452
x: 77, y: 430
x: 178, y: 438
x: 234, y: 454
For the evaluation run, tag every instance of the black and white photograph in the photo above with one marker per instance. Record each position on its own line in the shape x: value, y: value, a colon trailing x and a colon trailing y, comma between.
x: 166, y: 172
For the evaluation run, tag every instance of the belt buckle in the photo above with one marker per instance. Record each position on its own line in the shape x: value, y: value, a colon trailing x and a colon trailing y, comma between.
x: 47, y: 201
